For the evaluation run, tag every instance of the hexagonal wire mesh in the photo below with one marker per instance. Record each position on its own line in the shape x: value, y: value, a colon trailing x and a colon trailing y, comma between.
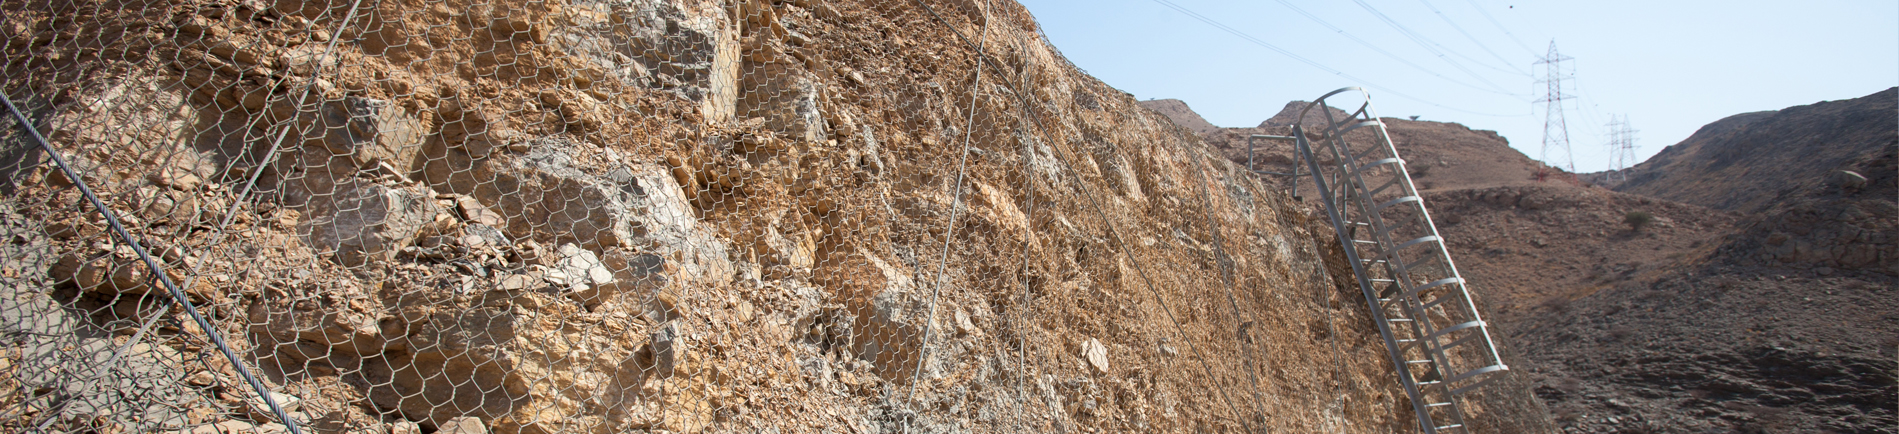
x: 610, y: 216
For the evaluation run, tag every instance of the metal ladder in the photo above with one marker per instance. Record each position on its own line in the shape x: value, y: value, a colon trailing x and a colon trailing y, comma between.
x: 1423, y: 310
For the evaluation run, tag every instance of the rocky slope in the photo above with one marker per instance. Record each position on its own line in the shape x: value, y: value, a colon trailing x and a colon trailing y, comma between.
x: 1178, y: 111
x: 1746, y: 162
x: 1703, y: 320
x: 652, y: 216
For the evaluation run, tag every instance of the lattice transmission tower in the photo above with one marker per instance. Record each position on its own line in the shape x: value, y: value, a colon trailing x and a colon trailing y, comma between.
x: 1555, y: 129
x: 1621, y: 147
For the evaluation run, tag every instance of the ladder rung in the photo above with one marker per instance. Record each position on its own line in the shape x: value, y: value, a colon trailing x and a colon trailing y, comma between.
x: 1389, y: 203
x: 1438, y: 404
x: 1455, y: 425
x: 1418, y: 361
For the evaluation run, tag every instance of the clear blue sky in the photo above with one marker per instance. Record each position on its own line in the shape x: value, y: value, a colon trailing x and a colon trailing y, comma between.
x: 1670, y: 66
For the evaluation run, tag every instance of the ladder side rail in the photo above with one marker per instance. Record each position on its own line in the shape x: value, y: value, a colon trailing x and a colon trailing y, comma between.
x: 1422, y: 327
x: 1459, y: 287
x: 1335, y: 214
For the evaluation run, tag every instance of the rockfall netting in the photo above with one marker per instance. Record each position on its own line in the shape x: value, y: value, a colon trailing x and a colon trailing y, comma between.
x: 381, y: 216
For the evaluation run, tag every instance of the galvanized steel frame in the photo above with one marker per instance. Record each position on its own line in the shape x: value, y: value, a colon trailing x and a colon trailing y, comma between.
x: 1442, y: 328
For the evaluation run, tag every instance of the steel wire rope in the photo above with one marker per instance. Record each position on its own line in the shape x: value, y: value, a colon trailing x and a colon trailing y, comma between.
x: 1223, y: 263
x: 1096, y: 204
x: 1329, y: 292
x: 1310, y: 62
x: 1325, y: 282
x: 949, y: 225
x: 217, y: 236
x: 1473, y: 39
x: 1041, y: 363
x: 1375, y: 47
x: 1506, y: 31
x: 1022, y: 306
x: 193, y: 273
x: 1431, y: 45
x: 177, y: 294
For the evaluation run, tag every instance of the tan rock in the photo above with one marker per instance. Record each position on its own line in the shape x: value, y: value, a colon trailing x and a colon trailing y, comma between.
x: 463, y: 425
x: 369, y: 222
x: 474, y: 212
x: 405, y: 427
x: 1096, y: 354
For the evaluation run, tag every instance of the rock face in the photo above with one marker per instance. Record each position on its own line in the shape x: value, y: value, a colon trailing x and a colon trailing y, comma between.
x: 654, y: 216
x: 546, y: 196
x: 369, y: 222
x: 686, y: 48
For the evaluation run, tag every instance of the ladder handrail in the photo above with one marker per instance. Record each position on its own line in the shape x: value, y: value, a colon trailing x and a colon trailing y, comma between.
x: 1425, y: 291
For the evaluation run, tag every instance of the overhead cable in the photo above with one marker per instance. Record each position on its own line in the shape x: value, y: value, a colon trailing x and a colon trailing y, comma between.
x: 1428, y: 44
x: 1506, y: 31
x: 1473, y: 39
x: 1375, y: 47
x: 1302, y: 59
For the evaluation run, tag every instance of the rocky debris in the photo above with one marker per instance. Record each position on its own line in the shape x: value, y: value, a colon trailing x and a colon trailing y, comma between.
x: 406, y: 427
x: 240, y: 427
x: 686, y: 48
x: 52, y: 343
x: 548, y: 197
x: 463, y: 425
x: 1718, y: 352
x: 369, y: 222
x: 260, y: 411
x: 475, y: 213
x: 576, y: 270
x: 369, y: 132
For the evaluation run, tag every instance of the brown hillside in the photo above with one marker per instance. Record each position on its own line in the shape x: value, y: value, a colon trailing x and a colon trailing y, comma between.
x: 1177, y: 111
x: 1441, y: 156
x: 1744, y: 162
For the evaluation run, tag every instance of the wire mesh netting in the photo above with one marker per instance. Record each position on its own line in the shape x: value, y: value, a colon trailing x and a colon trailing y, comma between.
x: 634, y: 215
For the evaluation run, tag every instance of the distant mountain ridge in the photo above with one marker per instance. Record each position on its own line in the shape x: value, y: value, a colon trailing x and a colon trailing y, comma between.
x: 1744, y: 162
x: 1178, y: 111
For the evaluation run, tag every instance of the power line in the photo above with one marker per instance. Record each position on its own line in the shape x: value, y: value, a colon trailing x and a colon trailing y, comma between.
x: 1302, y: 59
x: 1473, y: 39
x: 1493, y: 21
x: 1426, y: 43
x: 1388, y: 53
